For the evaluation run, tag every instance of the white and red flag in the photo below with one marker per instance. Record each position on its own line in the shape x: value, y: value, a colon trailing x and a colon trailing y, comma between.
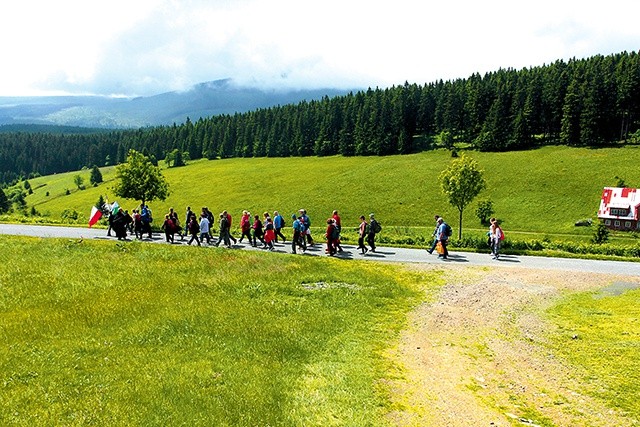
x: 95, y: 216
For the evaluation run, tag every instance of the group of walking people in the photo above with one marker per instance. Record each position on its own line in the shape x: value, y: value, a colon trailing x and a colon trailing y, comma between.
x: 443, y: 232
x: 265, y: 229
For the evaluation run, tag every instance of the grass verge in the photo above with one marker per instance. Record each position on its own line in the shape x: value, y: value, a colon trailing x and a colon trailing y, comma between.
x: 100, y: 333
x: 599, y: 332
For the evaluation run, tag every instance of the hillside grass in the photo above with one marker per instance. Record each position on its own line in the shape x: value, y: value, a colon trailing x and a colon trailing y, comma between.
x: 599, y: 334
x: 102, y: 333
x: 537, y: 194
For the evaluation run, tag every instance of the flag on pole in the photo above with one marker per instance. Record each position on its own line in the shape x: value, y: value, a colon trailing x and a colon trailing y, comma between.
x: 115, y: 207
x: 96, y: 214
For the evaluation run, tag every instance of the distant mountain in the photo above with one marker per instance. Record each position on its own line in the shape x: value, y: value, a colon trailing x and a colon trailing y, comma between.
x: 202, y: 100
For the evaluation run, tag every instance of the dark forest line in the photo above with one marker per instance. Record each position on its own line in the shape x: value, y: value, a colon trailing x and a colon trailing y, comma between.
x: 581, y: 102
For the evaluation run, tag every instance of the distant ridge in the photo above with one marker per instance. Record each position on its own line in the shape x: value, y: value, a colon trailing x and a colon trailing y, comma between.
x: 202, y: 100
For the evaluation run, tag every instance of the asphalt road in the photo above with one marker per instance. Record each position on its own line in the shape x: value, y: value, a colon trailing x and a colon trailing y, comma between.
x: 384, y: 254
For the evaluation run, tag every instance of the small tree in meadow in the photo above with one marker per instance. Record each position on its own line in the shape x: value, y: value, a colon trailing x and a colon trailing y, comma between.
x: 95, y: 177
x: 601, y: 234
x: 484, y: 211
x: 78, y: 181
x: 461, y: 182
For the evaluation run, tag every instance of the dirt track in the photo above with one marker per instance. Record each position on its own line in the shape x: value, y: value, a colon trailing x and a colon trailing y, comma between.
x: 473, y: 357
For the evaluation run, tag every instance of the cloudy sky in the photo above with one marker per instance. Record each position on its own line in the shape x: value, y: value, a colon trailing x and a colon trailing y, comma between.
x: 145, y: 47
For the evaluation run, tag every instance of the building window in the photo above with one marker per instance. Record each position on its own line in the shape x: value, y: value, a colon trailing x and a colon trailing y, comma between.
x: 627, y: 224
x: 616, y: 223
x: 619, y: 211
x: 607, y: 222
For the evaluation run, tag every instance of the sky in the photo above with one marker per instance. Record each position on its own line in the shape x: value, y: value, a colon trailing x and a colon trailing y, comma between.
x: 146, y: 47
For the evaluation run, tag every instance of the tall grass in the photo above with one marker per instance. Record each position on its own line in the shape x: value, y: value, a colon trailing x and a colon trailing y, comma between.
x: 100, y: 333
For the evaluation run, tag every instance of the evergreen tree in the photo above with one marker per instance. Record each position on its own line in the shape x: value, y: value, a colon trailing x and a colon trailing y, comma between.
x: 95, y: 177
x: 5, y: 205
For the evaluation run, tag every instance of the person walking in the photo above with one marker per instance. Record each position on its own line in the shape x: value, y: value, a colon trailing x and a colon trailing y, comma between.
x: 245, y: 226
x: 194, y: 229
x: 187, y: 218
x: 227, y: 215
x: 374, y: 228
x: 338, y: 223
x: 269, y: 233
x: 307, y: 226
x: 205, y: 228
x: 443, y: 237
x: 298, y: 235
x: 497, y: 236
x: 362, y: 233
x: 278, y: 225
x: 224, y: 231
x: 330, y: 235
x: 435, y: 236
x: 257, y: 231
x: 147, y: 219
x: 168, y: 228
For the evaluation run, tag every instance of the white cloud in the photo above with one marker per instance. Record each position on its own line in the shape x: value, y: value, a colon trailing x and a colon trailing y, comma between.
x: 150, y: 46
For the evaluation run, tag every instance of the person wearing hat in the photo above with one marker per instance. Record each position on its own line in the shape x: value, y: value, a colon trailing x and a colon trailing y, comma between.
x: 371, y: 234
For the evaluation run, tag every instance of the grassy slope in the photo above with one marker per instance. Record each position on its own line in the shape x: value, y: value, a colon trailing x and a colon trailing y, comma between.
x: 540, y: 191
x: 108, y: 334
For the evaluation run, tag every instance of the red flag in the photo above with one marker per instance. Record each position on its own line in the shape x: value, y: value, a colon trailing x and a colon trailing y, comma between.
x: 96, y: 214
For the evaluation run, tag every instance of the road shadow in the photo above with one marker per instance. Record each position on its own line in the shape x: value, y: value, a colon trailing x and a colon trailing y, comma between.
x: 455, y: 258
x: 508, y: 258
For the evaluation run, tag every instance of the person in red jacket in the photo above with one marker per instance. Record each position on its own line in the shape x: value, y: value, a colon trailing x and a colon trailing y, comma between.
x: 228, y: 216
x: 245, y: 226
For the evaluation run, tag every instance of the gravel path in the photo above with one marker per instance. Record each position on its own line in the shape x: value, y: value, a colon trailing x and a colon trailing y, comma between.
x: 387, y: 254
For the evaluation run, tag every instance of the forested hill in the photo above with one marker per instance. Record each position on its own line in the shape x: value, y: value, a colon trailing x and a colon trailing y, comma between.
x: 585, y: 102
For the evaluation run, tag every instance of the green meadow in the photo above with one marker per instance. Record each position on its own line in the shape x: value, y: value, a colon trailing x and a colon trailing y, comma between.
x: 108, y: 333
x: 604, y: 348
x: 539, y: 193
x: 137, y: 334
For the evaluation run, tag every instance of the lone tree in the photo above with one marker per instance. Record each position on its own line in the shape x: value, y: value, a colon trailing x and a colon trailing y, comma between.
x: 461, y: 182
x: 95, y: 177
x: 78, y: 180
x: 139, y: 179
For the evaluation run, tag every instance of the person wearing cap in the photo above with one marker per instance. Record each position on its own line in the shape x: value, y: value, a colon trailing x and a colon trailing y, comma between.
x: 371, y: 233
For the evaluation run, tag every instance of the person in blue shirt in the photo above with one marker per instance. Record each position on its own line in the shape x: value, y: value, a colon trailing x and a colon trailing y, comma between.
x: 278, y: 225
x: 443, y: 238
x: 298, y: 234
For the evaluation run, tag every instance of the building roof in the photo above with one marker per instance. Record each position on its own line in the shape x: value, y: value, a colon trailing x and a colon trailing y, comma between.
x: 627, y: 199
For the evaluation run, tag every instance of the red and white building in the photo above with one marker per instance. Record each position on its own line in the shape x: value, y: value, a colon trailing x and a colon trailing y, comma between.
x: 620, y: 208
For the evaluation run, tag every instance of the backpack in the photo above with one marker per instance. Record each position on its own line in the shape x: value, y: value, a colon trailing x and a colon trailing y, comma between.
x: 376, y: 227
x: 501, y: 234
x: 448, y: 231
x: 335, y: 233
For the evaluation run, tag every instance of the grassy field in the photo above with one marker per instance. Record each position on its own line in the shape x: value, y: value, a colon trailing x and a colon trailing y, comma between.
x: 99, y: 333
x: 604, y: 328
x: 537, y: 194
